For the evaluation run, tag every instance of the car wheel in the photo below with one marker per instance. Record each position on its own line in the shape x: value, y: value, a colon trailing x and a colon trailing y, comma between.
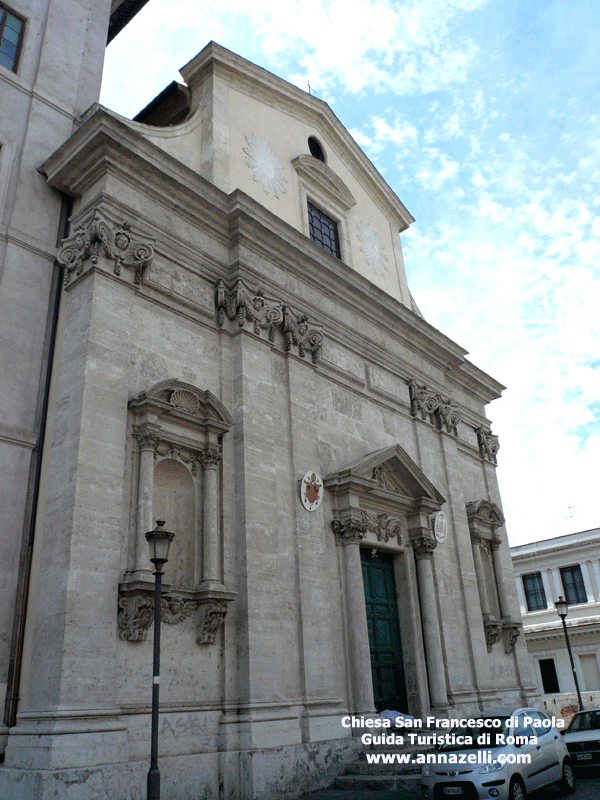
x: 517, y: 790
x: 567, y: 782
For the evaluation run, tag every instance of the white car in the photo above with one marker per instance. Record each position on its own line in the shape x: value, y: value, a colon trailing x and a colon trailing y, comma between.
x: 582, y: 738
x: 524, y: 752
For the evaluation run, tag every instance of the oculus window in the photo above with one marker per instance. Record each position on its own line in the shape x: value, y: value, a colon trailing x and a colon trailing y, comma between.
x: 535, y: 595
x: 11, y: 37
x: 572, y: 581
x: 323, y: 230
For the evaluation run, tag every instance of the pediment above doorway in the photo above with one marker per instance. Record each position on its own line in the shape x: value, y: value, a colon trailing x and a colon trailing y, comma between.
x: 389, y: 475
x: 383, y: 493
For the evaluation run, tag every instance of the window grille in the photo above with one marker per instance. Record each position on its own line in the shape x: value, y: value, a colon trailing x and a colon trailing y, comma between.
x: 323, y: 230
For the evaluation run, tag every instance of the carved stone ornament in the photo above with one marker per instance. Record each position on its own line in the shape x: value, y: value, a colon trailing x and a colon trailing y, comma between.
x: 135, y: 612
x: 371, y: 246
x: 265, y: 165
x: 510, y: 633
x: 185, y: 400
x: 209, y: 458
x: 267, y: 313
x: 299, y: 332
x: 134, y: 617
x: 350, y: 531
x: 440, y: 411
x: 488, y: 445
x: 211, y: 615
x: 383, y: 478
x: 383, y: 526
x: 164, y: 449
x: 116, y: 242
x: 423, y: 547
x: 493, y: 632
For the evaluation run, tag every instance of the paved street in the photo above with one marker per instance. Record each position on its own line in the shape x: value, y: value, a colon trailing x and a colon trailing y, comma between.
x: 588, y: 788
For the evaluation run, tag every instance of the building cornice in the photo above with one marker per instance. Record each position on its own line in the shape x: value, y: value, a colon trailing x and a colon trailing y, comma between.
x: 106, y: 145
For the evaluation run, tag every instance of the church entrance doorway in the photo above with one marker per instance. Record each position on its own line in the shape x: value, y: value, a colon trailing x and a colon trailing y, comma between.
x: 389, y: 688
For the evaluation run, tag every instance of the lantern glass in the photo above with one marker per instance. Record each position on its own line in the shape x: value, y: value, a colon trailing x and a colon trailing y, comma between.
x: 159, y: 541
x: 562, y: 607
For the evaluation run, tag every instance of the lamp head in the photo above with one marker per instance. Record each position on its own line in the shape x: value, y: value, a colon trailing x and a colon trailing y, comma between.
x: 562, y: 607
x: 159, y: 541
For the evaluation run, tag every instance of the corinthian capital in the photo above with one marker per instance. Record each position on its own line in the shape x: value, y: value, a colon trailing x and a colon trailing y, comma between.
x: 349, y: 531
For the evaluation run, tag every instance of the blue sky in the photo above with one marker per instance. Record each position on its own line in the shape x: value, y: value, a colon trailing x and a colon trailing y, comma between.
x: 483, y: 117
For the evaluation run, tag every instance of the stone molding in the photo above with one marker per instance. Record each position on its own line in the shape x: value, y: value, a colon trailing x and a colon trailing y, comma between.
x: 484, y: 517
x: 488, y: 445
x: 135, y: 612
x: 115, y: 242
x: 441, y: 412
x: 510, y: 633
x: 493, y: 632
x: 267, y: 313
x: 315, y: 173
x: 423, y: 547
x: 384, y: 526
x: 349, y: 531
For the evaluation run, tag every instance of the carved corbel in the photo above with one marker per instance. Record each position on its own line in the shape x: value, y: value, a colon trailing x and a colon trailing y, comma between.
x: 116, y: 242
x: 493, y: 632
x: 440, y: 411
x: 488, y: 445
x: 510, y: 633
x: 449, y: 415
x: 299, y: 332
x: 422, y: 401
x: 268, y: 313
x: 135, y: 612
x: 135, y: 615
x: 211, y: 616
x: 247, y: 306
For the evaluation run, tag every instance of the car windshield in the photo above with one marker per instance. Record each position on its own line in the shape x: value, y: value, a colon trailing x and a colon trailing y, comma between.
x: 586, y: 721
x: 480, y: 738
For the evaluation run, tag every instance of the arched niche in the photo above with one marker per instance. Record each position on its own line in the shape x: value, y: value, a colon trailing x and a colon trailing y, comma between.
x: 177, y: 431
x: 173, y: 499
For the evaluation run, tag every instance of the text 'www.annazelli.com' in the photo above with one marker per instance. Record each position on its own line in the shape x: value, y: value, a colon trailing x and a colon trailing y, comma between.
x: 481, y: 757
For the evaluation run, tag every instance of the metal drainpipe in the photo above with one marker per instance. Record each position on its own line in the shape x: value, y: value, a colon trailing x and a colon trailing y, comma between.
x: 18, y: 637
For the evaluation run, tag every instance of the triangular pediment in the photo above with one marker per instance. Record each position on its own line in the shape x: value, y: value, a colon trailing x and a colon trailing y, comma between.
x: 389, y: 473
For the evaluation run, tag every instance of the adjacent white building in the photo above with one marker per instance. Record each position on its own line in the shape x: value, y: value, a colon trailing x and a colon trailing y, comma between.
x: 566, y: 566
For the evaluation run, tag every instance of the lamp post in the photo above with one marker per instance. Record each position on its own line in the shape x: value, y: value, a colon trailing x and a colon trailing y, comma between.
x: 159, y: 540
x: 562, y: 608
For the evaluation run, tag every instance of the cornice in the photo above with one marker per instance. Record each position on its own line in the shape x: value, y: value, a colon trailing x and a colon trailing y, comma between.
x: 105, y: 144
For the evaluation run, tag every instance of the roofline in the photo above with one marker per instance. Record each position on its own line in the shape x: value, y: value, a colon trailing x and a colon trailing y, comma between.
x: 121, y: 14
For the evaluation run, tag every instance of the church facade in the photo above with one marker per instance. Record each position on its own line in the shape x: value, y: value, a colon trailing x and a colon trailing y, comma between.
x: 237, y: 353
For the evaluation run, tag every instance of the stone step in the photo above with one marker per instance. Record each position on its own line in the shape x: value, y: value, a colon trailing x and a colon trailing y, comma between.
x: 378, y: 783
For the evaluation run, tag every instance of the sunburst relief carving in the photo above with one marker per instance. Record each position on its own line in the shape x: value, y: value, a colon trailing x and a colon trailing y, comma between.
x: 263, y: 161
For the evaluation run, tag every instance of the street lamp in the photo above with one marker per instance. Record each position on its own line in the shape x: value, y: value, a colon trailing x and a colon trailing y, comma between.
x: 562, y: 608
x: 159, y: 540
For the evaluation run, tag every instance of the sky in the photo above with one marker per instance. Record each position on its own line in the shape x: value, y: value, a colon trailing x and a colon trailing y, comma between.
x: 483, y: 117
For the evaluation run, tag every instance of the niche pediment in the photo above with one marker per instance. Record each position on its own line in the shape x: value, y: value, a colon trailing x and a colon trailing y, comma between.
x: 319, y: 175
x: 389, y: 474
x: 184, y: 404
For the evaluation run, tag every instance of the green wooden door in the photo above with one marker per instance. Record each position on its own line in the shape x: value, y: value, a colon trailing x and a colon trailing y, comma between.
x: 384, y: 630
